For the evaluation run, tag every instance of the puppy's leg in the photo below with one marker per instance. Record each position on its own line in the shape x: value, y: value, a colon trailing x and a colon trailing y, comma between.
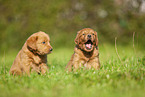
x: 43, y: 68
x: 75, y: 66
x: 87, y: 66
x: 26, y: 69
x: 34, y: 68
x: 15, y: 71
x: 78, y: 64
x: 95, y: 63
x: 36, y: 59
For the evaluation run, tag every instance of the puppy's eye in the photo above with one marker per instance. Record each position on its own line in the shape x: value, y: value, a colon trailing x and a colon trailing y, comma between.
x: 92, y: 34
x: 83, y: 34
x: 43, y: 42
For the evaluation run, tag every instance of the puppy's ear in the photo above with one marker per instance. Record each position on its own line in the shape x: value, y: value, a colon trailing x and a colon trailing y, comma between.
x: 96, y: 40
x: 77, y: 38
x: 31, y: 41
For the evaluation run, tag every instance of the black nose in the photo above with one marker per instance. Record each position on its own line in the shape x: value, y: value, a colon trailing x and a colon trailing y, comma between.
x: 89, y: 36
x: 51, y: 49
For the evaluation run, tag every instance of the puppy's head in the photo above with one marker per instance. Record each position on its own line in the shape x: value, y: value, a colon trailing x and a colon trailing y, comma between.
x: 87, y: 39
x: 40, y: 43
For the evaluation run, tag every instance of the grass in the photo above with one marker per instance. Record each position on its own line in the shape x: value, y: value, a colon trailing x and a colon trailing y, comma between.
x: 115, y: 78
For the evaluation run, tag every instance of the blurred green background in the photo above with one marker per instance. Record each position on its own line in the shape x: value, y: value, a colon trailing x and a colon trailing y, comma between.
x: 61, y: 19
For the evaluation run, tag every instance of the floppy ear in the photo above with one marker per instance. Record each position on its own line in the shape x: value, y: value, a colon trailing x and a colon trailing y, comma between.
x: 31, y: 41
x: 77, y: 38
x: 96, y: 41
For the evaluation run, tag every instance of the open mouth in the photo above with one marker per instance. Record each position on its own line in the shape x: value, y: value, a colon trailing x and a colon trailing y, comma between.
x: 88, y: 44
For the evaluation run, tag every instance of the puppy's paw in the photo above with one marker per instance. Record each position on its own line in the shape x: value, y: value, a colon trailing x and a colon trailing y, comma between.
x: 15, y: 72
x: 43, y: 68
x: 37, y: 59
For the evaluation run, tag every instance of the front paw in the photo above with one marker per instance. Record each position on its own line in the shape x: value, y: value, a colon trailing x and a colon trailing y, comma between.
x: 43, y: 68
x: 37, y: 60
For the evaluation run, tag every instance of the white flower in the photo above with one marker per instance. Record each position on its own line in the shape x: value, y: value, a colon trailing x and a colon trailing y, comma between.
x: 107, y: 76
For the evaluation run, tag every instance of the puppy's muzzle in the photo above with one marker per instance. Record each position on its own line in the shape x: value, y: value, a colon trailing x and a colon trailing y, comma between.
x: 89, y: 36
x: 51, y: 49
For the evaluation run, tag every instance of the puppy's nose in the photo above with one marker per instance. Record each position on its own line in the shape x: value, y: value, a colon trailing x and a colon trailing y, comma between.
x: 51, y: 49
x: 89, y: 36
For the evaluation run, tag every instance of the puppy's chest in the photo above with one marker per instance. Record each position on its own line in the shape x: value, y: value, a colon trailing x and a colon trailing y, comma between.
x: 39, y: 59
x: 87, y: 58
x: 86, y: 61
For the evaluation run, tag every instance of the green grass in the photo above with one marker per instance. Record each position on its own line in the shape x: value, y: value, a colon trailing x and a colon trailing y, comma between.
x: 114, y: 79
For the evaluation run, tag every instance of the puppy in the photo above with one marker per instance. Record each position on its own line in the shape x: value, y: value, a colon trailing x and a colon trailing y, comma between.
x: 86, y: 52
x: 33, y: 55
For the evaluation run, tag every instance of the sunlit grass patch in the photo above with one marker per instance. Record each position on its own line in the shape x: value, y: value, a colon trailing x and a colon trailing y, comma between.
x: 115, y: 77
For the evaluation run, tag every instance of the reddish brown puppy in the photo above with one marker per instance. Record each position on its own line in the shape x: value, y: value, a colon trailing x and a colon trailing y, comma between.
x: 86, y: 52
x: 33, y: 55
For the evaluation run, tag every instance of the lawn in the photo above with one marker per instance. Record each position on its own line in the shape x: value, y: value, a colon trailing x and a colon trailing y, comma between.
x: 125, y: 78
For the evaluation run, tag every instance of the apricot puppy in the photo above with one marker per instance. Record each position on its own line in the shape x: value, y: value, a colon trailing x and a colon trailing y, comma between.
x: 33, y: 55
x: 86, y: 52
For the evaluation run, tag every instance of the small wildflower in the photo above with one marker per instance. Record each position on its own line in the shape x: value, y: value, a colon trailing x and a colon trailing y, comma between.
x: 107, y: 76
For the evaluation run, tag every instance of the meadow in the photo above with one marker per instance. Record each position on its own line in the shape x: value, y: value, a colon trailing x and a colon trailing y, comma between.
x: 121, y: 74
x: 116, y: 78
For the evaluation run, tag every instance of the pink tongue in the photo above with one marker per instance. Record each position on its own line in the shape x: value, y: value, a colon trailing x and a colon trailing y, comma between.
x: 88, y: 46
